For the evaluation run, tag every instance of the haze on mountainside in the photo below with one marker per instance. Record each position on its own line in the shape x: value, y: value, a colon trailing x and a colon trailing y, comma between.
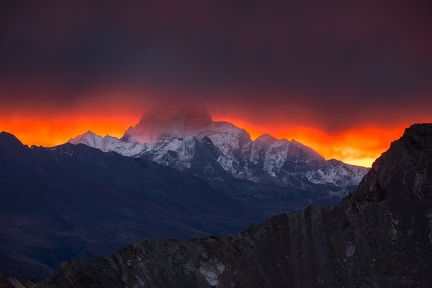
x: 342, y: 77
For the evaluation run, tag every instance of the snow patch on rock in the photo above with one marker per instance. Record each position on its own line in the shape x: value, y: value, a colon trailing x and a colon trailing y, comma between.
x: 211, y: 271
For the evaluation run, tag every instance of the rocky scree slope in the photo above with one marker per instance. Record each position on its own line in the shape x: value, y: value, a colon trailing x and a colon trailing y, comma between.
x: 179, y: 139
x: 380, y: 236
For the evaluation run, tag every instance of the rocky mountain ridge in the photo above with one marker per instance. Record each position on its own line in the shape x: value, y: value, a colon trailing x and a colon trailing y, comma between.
x: 380, y: 236
x: 172, y: 139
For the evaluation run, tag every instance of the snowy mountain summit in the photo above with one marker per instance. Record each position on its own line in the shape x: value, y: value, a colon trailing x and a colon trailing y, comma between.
x: 108, y: 144
x: 158, y: 126
x: 188, y: 139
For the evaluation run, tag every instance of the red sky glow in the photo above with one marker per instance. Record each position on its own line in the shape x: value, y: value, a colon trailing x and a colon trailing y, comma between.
x: 358, y: 146
x: 343, y: 77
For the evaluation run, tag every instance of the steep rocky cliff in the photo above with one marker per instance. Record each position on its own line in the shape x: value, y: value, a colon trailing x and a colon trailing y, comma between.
x: 380, y: 236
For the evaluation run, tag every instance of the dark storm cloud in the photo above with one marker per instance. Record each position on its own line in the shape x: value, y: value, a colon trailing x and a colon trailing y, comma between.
x: 330, y: 60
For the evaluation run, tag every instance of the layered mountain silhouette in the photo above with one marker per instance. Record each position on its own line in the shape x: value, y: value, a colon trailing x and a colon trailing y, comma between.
x: 77, y: 201
x: 176, y: 174
x: 380, y: 236
x: 188, y: 139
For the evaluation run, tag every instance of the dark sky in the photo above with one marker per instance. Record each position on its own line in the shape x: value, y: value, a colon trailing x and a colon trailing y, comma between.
x: 332, y: 65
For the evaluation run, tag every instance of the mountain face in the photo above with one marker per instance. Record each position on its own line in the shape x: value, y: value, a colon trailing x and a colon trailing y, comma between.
x: 76, y: 201
x: 108, y: 144
x: 380, y: 236
x: 176, y: 138
x: 157, y: 126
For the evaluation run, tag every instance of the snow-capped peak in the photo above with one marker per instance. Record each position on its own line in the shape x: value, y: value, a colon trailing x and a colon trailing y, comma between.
x: 174, y: 138
x: 265, y: 138
x: 109, y: 143
x: 157, y: 126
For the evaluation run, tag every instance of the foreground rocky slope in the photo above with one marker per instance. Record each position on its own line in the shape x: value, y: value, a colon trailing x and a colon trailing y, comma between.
x: 381, y: 236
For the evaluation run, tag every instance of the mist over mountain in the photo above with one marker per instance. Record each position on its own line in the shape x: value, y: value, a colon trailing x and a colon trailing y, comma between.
x: 380, y: 236
x: 158, y: 126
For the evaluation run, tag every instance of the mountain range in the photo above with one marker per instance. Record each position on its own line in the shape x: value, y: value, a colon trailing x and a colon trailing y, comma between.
x: 379, y: 236
x: 188, y: 139
x: 174, y: 175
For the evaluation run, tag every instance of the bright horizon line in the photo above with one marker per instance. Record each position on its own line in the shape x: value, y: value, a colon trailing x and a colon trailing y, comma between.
x: 253, y: 138
x: 356, y: 146
x: 367, y: 162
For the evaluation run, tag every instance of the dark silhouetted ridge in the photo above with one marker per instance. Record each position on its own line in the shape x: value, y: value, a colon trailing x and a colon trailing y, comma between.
x: 9, y: 140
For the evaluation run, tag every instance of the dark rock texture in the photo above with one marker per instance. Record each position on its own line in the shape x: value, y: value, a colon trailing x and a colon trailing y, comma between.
x: 380, y: 236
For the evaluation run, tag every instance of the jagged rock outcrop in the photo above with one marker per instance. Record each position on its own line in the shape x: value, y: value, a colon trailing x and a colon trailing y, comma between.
x: 380, y: 236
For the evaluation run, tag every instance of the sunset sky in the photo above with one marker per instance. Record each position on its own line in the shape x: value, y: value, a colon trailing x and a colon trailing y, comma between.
x: 344, y: 77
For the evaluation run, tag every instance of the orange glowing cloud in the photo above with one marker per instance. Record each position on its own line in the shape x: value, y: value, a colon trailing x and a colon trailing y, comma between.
x: 58, y: 129
x: 358, y: 146
x: 104, y: 113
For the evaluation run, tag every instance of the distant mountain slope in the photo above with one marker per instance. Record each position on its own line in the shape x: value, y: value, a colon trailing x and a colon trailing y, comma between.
x: 172, y: 138
x: 108, y: 144
x: 379, y: 237
x: 74, y: 200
